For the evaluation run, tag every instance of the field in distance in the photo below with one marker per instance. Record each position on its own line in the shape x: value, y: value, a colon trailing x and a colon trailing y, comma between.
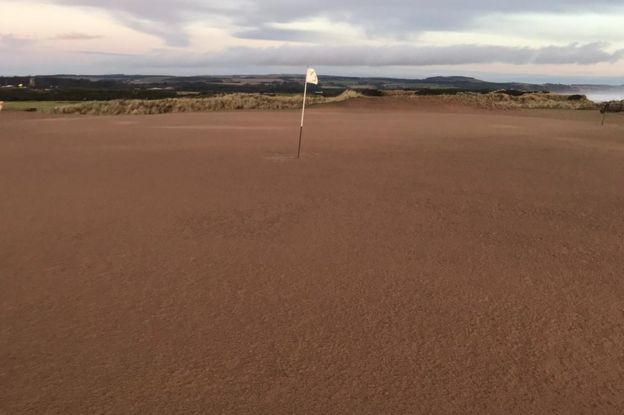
x: 35, y: 106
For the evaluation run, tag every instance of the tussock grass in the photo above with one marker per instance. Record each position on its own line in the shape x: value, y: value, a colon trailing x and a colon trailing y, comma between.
x: 612, y: 106
x: 233, y: 102
x: 529, y: 101
x: 502, y: 100
x: 229, y: 102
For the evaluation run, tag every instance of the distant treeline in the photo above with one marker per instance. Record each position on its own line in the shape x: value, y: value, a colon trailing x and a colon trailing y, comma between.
x: 58, y: 94
x: 149, y: 87
x: 48, y: 88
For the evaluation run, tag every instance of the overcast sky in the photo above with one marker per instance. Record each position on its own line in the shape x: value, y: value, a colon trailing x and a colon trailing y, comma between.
x: 555, y: 40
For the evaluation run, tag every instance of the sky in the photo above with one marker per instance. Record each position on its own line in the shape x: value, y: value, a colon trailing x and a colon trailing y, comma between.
x: 530, y: 40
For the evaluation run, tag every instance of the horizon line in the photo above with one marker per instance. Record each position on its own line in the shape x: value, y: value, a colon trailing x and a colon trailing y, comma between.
x: 326, y: 75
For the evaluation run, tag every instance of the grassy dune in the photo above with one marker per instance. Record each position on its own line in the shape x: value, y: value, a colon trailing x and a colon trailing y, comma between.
x: 233, y: 102
x: 500, y: 100
x: 529, y: 101
x: 230, y: 102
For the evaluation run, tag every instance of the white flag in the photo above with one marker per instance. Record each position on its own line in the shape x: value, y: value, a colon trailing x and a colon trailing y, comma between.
x: 311, y: 77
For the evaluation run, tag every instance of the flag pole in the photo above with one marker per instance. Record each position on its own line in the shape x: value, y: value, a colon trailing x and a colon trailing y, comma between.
x: 305, y: 93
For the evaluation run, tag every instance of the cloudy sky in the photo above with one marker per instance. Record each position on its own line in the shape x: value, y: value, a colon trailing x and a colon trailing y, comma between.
x: 531, y: 40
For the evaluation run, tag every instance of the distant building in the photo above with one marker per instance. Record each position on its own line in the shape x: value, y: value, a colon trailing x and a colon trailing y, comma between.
x: 33, y: 82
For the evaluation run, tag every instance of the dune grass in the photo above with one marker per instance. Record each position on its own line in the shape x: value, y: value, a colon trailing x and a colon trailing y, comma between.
x: 502, y: 100
x: 529, y: 101
x: 234, y: 102
x: 38, y: 106
x: 228, y: 102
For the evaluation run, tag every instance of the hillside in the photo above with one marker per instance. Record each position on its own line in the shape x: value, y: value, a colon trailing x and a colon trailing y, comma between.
x: 109, y: 87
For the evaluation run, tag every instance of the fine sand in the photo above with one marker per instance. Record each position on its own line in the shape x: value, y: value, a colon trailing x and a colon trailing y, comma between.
x: 415, y: 261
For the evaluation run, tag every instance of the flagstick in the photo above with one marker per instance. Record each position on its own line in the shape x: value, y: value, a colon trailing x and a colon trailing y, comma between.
x: 305, y: 93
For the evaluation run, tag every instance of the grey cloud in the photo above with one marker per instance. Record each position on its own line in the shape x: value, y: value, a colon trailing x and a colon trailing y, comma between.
x: 421, y: 56
x: 391, y: 17
x: 173, y: 35
x: 409, y: 56
x: 398, y: 17
x: 270, y: 33
x: 581, y: 54
x: 164, y: 19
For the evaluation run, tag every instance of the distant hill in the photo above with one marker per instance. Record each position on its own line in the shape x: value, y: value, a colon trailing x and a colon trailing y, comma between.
x: 120, y: 86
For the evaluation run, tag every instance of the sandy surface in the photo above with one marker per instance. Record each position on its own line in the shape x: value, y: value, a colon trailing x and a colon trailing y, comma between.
x: 413, y: 262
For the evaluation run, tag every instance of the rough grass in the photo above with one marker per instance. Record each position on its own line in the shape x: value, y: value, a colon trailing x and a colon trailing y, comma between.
x: 229, y: 102
x: 233, y: 102
x: 501, y: 100
x: 612, y: 106
x: 38, y: 106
